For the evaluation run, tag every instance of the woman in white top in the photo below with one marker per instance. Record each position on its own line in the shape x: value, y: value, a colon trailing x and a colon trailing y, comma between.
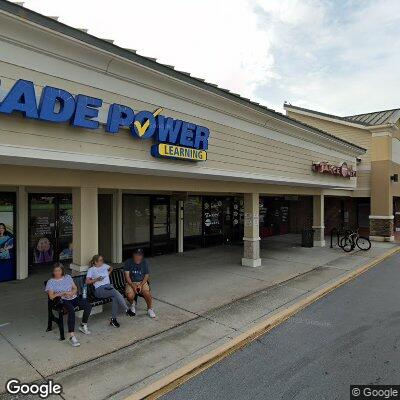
x: 99, y: 275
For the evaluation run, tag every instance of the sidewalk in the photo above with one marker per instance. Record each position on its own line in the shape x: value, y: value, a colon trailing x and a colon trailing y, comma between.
x: 203, y: 299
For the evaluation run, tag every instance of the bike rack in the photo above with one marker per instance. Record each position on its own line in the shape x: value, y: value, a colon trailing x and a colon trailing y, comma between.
x: 338, y: 232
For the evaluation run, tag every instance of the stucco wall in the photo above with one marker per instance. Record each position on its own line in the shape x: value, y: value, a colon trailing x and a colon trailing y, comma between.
x: 354, y: 135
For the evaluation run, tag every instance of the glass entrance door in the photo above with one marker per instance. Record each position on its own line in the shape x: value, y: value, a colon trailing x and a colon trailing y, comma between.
x: 50, y: 228
x: 227, y: 226
x: 160, y: 226
x: 7, y: 237
x: 213, y: 221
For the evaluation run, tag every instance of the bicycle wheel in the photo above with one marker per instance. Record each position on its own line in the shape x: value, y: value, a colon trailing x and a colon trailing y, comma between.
x: 346, y: 244
x: 363, y: 243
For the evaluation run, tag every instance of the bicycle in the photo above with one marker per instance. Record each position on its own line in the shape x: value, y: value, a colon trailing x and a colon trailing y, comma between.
x: 353, y: 239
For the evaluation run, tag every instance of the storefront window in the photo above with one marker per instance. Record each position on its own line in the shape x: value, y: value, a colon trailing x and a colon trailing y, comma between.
x: 172, y: 219
x: 136, y: 219
x: 42, y: 226
x: 50, y: 228
x: 213, y: 220
x: 238, y: 219
x: 65, y: 227
x: 263, y: 220
x: 192, y: 216
x: 363, y: 215
x: 213, y: 216
x: 274, y: 216
x: 7, y: 237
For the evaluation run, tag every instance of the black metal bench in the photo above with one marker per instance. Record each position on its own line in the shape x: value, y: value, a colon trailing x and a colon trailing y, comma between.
x: 56, y: 310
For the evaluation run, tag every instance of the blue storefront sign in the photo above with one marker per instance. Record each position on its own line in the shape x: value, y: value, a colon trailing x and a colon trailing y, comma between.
x: 173, y: 138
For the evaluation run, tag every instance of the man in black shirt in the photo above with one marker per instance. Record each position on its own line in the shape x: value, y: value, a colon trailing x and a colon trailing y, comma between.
x: 137, y: 271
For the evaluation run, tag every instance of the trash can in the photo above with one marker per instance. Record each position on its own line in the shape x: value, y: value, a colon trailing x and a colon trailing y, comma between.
x: 307, y: 238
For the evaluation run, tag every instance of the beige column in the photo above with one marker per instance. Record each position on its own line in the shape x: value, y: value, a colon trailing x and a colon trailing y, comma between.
x: 180, y: 225
x: 85, y: 227
x: 381, y: 218
x: 251, y: 239
x: 22, y: 233
x: 318, y: 220
x: 117, y: 227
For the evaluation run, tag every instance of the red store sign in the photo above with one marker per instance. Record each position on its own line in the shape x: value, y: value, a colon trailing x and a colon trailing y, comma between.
x: 344, y: 170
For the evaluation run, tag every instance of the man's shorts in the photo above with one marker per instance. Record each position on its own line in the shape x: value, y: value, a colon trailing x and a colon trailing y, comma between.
x: 129, y: 290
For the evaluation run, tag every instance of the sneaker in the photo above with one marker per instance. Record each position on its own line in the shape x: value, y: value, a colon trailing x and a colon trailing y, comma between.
x: 130, y: 313
x: 114, y: 323
x: 74, y: 341
x: 133, y: 308
x: 151, y: 313
x: 84, y: 329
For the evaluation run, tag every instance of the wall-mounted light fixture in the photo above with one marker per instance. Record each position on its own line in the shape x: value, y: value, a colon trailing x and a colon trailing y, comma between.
x: 394, y: 177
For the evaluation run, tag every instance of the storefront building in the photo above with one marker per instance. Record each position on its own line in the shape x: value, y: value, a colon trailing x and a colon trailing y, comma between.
x: 375, y: 204
x: 103, y: 150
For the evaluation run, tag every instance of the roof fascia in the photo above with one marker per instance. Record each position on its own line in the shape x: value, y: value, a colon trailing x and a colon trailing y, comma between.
x: 49, y: 24
x: 311, y: 113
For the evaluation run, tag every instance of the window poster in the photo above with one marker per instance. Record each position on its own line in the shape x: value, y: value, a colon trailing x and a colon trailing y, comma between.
x: 7, y: 238
x: 212, y: 216
x: 65, y: 228
x: 42, y: 228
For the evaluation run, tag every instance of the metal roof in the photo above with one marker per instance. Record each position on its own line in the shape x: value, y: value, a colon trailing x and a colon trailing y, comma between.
x: 367, y: 119
x: 376, y: 118
x: 81, y: 34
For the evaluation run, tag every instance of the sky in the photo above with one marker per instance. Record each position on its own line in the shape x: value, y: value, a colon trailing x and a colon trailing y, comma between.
x: 336, y: 56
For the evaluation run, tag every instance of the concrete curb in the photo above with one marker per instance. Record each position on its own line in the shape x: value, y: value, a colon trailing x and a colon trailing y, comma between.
x: 181, y: 375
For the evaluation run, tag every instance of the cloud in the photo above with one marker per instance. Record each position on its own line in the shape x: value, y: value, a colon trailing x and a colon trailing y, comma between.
x: 334, y: 56
x: 338, y: 57
x: 207, y: 38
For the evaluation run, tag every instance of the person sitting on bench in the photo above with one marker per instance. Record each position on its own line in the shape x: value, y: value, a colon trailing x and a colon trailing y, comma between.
x: 137, y: 281
x: 63, y: 288
x: 99, y: 275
